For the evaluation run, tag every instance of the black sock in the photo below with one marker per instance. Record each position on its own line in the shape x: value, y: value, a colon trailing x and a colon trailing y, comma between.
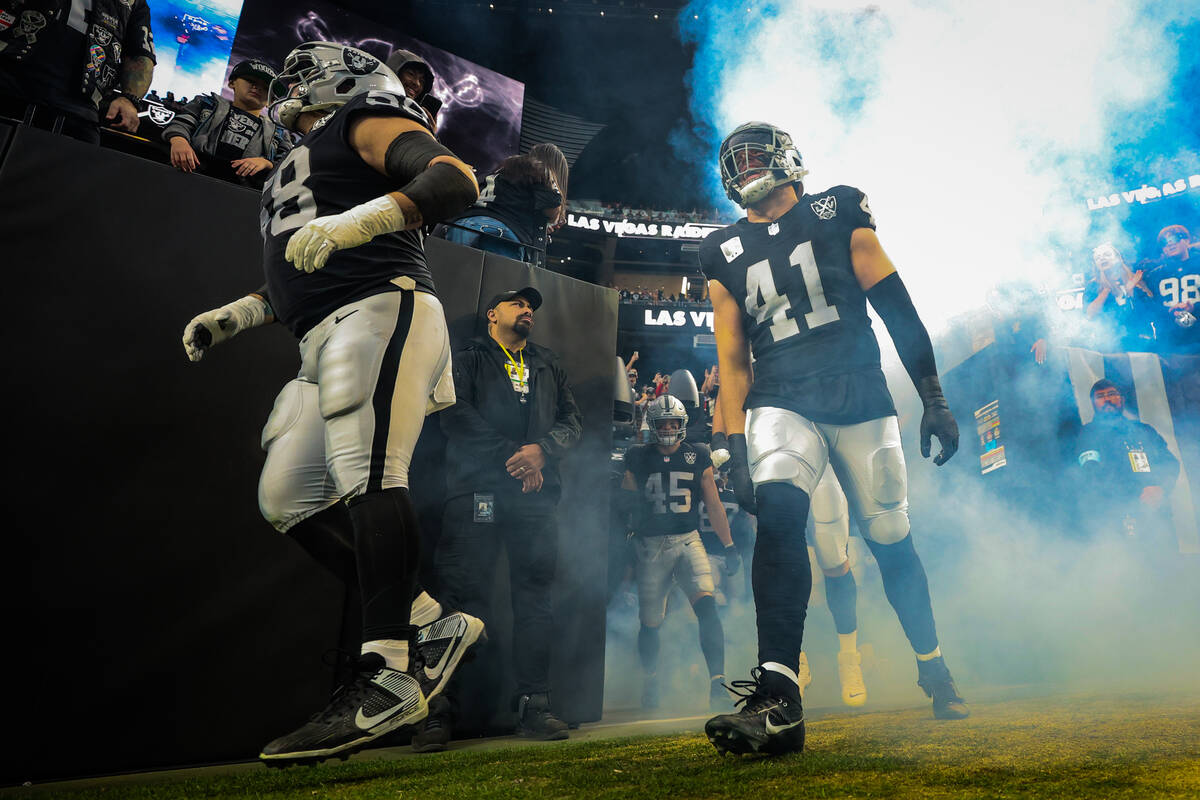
x: 386, y: 544
x: 841, y: 593
x: 712, y: 635
x: 648, y: 649
x: 782, y: 576
x: 907, y: 590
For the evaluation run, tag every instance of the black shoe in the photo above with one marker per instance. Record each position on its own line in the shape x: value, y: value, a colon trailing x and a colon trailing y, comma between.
x: 435, y: 732
x: 771, y: 721
x: 719, y: 698
x: 934, y: 679
x: 535, y: 720
x: 378, y: 700
x: 442, y: 645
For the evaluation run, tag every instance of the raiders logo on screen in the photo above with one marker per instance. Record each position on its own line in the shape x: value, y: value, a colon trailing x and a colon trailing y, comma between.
x: 358, y: 63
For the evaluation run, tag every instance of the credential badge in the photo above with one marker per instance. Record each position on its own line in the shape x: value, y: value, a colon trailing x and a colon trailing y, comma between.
x: 732, y: 248
x: 826, y: 207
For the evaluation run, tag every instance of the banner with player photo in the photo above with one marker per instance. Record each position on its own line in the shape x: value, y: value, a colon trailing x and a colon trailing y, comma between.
x: 480, y: 118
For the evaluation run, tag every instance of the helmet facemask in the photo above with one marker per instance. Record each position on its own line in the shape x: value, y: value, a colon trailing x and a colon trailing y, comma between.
x: 755, y: 159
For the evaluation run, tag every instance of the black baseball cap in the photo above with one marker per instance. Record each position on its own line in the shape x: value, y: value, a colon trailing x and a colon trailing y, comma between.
x: 529, y: 293
x: 253, y: 68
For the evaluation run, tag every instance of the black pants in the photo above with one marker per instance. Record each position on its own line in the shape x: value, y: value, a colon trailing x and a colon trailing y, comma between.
x: 466, y: 564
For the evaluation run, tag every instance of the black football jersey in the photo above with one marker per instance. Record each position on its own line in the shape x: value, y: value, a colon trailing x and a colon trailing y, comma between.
x: 804, y: 314
x: 708, y: 534
x: 668, y: 487
x: 1174, y: 283
x: 324, y: 175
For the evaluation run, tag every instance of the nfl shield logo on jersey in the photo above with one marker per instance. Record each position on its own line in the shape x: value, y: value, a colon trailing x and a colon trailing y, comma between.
x: 826, y: 207
x: 689, y: 458
x: 358, y: 62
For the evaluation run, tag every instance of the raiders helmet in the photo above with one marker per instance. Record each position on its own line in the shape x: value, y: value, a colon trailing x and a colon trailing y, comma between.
x: 322, y: 75
x: 756, y: 158
x: 666, y: 407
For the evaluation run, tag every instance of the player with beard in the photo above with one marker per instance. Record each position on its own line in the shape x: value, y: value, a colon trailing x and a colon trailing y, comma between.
x: 346, y: 273
x: 789, y: 285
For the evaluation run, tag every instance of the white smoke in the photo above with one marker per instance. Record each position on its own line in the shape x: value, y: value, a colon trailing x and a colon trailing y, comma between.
x: 978, y: 130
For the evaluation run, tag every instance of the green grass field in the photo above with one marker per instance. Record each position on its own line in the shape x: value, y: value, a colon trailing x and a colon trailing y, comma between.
x: 1093, y: 747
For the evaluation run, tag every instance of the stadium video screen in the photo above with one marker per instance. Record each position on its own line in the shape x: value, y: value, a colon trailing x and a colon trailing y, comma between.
x: 480, y: 119
x: 192, y: 39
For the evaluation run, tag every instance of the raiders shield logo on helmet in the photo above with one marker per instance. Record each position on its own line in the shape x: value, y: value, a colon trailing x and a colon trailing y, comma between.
x: 358, y: 62
x: 159, y: 115
x: 826, y: 207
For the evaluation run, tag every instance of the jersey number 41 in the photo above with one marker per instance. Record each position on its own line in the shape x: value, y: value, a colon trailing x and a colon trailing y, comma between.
x: 776, y: 310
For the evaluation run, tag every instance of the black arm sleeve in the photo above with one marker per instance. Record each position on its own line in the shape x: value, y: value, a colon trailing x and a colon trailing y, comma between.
x: 895, y: 307
x: 409, y: 155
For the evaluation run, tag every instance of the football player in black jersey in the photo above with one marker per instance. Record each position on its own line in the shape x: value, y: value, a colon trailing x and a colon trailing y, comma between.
x: 789, y: 285
x: 666, y: 481
x: 346, y: 272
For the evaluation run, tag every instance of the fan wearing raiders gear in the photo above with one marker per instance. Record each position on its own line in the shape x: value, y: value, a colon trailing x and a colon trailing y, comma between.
x: 664, y: 484
x: 346, y: 272
x: 789, y: 284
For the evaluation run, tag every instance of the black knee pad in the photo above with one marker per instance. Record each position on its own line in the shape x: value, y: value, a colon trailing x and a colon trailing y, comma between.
x: 706, y: 606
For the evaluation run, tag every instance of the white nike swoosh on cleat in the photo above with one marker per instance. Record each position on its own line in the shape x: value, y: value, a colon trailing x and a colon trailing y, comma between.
x: 773, y: 729
x: 366, y: 723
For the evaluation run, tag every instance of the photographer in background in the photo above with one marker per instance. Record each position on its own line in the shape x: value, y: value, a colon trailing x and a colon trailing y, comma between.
x: 236, y: 133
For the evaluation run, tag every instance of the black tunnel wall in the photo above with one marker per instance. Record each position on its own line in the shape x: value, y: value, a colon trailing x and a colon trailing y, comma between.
x: 145, y: 595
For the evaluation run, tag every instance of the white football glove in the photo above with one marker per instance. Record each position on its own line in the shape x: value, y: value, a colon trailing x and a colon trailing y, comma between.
x: 719, y: 457
x: 310, y: 247
x: 222, y: 324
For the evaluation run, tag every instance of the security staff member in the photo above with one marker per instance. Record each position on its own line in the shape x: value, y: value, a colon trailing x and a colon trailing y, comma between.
x: 1128, y: 466
x: 514, y: 420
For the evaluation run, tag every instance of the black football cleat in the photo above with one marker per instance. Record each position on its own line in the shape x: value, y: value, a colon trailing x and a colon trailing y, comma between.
x: 377, y: 701
x: 934, y: 679
x: 770, y: 722
x: 442, y: 645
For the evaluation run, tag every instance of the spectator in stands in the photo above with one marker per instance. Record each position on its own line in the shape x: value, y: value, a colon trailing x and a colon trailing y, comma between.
x: 1122, y: 295
x: 662, y: 384
x: 630, y: 372
x: 517, y: 206
x: 70, y: 73
x: 235, y: 133
x: 1127, y: 468
x: 418, y: 79
x: 514, y: 420
x: 1175, y: 282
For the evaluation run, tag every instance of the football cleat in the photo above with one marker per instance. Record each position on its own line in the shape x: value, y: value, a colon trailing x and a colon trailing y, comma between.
x: 854, y: 691
x: 379, y: 700
x: 934, y: 679
x: 803, y: 673
x: 441, y: 647
x: 770, y: 722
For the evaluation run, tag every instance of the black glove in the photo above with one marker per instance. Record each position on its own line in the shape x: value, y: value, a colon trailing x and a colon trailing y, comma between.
x: 739, y: 473
x: 733, y: 561
x: 937, y: 420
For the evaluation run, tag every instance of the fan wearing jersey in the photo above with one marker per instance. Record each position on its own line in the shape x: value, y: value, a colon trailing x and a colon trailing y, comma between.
x: 346, y: 273
x: 665, y: 482
x: 789, y: 285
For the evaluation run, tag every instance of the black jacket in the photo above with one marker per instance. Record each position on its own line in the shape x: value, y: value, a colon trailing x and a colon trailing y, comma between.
x: 1122, y: 456
x: 487, y: 423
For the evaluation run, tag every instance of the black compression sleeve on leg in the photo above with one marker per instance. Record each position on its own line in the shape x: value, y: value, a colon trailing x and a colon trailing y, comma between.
x: 386, y: 544
x: 907, y: 589
x: 328, y: 537
x: 890, y: 299
x: 781, y: 576
x: 712, y: 635
x: 648, y: 648
x: 841, y: 593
